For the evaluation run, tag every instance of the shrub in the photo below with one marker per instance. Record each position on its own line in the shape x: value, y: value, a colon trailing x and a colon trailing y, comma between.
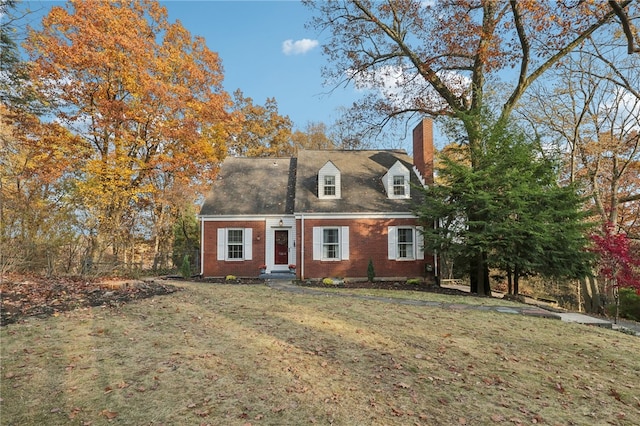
x: 629, y: 305
x: 327, y: 281
x: 371, y: 273
x: 185, y: 269
x: 231, y: 278
x: 414, y: 281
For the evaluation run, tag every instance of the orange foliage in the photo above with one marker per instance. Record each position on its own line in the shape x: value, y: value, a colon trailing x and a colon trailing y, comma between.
x: 143, y: 94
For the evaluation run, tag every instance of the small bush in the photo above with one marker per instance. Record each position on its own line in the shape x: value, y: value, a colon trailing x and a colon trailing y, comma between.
x: 231, y: 278
x: 629, y: 305
x: 414, y: 281
x: 371, y: 273
x: 327, y: 281
x: 185, y: 269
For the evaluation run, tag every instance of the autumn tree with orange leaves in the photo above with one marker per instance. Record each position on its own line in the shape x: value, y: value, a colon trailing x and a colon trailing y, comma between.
x: 146, y: 99
x: 446, y: 57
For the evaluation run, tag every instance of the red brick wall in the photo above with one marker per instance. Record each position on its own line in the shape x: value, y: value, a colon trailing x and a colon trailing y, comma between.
x: 367, y: 240
x: 212, y: 267
x: 423, y: 149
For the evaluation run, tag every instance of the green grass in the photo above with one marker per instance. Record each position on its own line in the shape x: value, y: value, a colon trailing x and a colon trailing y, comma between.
x: 235, y: 355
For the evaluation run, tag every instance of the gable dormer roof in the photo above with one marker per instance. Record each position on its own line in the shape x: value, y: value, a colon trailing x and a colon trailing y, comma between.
x: 396, y: 181
x: 329, y: 182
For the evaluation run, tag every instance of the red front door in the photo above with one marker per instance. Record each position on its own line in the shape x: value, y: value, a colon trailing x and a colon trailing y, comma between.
x: 282, y: 248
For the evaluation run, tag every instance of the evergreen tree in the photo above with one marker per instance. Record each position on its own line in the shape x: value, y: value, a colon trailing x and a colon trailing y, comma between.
x: 524, y: 223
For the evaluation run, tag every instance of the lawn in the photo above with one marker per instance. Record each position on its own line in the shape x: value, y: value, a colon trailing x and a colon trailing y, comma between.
x: 246, y: 354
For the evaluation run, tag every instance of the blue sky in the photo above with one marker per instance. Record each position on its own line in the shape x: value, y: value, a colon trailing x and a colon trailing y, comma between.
x: 250, y: 37
x: 266, y: 52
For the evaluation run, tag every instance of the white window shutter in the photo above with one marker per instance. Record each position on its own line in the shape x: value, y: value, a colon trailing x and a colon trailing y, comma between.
x: 248, y: 243
x: 344, y: 243
x: 317, y: 243
x: 222, y: 243
x: 391, y: 239
x: 419, y: 243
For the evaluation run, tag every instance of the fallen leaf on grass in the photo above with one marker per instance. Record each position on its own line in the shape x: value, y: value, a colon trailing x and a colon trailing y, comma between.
x: 615, y: 394
x: 109, y: 414
x: 403, y: 385
x: 497, y: 418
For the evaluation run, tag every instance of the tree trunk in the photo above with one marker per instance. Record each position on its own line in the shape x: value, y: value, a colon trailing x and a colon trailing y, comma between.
x: 516, y: 280
x: 479, y: 274
x: 592, y: 296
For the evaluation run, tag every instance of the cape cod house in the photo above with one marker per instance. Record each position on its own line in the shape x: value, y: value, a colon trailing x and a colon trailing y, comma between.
x: 326, y: 212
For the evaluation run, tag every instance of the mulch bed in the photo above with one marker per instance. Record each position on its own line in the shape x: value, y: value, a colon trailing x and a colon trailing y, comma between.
x: 24, y: 296
x: 34, y: 296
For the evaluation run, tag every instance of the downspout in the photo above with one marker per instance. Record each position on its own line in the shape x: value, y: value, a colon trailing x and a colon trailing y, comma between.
x: 302, y: 246
x: 201, y: 246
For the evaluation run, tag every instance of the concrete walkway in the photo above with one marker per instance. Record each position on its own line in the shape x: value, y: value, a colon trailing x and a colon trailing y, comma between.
x: 283, y: 284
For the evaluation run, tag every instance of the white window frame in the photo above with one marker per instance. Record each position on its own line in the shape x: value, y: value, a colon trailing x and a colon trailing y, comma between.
x: 417, y: 251
x: 342, y: 243
x: 398, y: 188
x: 329, y: 185
x: 406, y: 247
x: 223, y: 244
x: 330, y: 246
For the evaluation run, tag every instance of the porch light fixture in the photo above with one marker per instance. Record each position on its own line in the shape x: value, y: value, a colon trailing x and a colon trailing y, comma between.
x: 281, y: 222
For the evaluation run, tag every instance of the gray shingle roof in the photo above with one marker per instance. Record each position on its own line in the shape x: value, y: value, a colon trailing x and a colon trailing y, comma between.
x: 252, y: 186
x: 264, y: 186
x: 362, y: 187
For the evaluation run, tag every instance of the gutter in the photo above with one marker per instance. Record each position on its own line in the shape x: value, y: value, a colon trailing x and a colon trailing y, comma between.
x: 302, y: 246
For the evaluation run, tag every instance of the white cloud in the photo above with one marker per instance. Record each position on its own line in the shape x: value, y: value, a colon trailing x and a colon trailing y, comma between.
x: 290, y: 47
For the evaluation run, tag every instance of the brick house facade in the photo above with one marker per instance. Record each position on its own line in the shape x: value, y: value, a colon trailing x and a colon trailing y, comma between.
x: 327, y: 212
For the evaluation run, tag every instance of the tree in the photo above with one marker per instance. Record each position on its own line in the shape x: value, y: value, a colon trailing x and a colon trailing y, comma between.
x: 593, y: 109
x: 186, y: 237
x: 314, y: 136
x: 445, y: 56
x: 145, y: 98
x: 526, y: 224
x: 36, y: 216
x: 262, y: 131
x: 619, y: 261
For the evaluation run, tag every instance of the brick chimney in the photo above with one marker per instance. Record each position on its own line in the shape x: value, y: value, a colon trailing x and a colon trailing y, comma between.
x: 423, y: 149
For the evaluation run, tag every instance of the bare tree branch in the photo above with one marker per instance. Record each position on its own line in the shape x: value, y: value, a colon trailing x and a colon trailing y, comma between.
x: 626, y: 27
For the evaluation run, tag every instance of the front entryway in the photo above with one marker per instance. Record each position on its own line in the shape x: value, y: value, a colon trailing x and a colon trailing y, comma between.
x: 281, y: 249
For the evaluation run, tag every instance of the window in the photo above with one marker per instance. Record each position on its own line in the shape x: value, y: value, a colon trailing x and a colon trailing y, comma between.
x: 398, y: 185
x: 330, y: 185
x: 405, y: 243
x: 235, y: 243
x: 330, y: 244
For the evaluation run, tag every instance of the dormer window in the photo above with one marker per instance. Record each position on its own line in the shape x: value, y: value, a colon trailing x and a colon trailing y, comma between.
x: 396, y: 181
x: 330, y: 186
x: 329, y: 181
x: 398, y: 185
